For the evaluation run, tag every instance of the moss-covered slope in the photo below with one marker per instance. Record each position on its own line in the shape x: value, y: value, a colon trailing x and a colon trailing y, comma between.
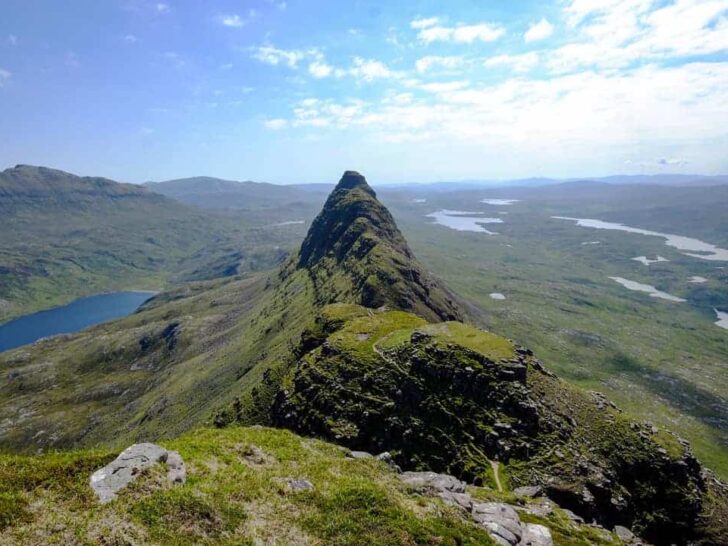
x: 452, y: 398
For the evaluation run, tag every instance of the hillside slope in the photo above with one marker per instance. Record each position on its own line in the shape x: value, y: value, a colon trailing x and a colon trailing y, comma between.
x: 451, y: 398
x: 64, y: 236
x: 215, y: 193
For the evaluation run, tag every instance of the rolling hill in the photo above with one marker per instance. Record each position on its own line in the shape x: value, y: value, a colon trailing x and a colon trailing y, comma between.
x: 215, y: 193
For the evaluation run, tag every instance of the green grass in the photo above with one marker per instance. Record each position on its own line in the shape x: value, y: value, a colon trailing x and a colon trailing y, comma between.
x: 488, y: 344
x: 236, y: 494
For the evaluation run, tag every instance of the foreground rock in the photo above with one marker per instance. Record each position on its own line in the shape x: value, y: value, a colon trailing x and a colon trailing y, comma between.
x: 500, y: 520
x: 109, y: 480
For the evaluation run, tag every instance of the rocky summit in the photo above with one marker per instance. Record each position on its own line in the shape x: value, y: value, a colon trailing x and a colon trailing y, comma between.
x: 355, y: 252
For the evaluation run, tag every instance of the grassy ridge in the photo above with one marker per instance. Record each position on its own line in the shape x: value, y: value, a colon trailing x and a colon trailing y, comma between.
x: 237, y: 494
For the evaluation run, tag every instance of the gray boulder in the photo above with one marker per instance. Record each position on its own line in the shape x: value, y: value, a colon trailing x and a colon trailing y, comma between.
x: 460, y: 500
x: 501, y: 521
x: 626, y: 536
x: 359, y: 455
x: 387, y: 458
x: 536, y: 535
x: 432, y: 482
x: 107, y: 481
x: 298, y: 485
x: 528, y: 491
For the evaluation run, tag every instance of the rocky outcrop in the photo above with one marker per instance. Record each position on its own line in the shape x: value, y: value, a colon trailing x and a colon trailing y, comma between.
x: 109, y: 480
x: 500, y: 520
x: 452, y: 399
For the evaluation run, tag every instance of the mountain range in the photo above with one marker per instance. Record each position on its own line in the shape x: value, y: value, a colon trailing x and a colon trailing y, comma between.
x: 352, y: 340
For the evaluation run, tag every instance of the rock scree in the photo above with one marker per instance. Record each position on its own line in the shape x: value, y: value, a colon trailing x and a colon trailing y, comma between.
x: 109, y: 480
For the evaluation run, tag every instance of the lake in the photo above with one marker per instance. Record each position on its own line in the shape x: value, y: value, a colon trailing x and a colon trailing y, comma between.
x: 696, y: 247
x: 460, y: 221
x: 75, y: 316
x: 649, y: 289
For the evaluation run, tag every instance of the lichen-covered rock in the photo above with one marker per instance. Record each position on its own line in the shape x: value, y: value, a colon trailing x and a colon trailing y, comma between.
x: 359, y: 455
x: 298, y: 485
x: 386, y: 457
x: 501, y: 520
x: 432, y: 482
x: 461, y: 500
x: 536, y: 535
x: 116, y: 475
x: 528, y: 491
x: 109, y: 480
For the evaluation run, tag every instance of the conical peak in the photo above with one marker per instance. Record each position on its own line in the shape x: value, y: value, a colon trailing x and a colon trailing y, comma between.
x: 351, y: 180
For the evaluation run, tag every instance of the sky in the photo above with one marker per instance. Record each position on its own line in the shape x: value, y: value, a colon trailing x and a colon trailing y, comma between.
x: 291, y: 91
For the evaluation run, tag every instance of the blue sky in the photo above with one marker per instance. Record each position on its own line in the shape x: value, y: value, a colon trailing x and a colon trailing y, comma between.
x: 294, y: 91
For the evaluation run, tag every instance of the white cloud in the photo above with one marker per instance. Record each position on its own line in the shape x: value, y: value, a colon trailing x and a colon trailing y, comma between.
x: 519, y: 63
x: 424, y: 64
x: 618, y: 33
x: 444, y: 87
x: 12, y: 39
x: 275, y: 124
x: 573, y: 115
x: 161, y: 7
x: 4, y: 76
x: 671, y: 161
x: 538, y: 31
x: 424, y: 23
x: 319, y: 69
x: 232, y: 20
x: 274, y: 56
x: 131, y: 39
x: 484, y: 32
x: 369, y: 69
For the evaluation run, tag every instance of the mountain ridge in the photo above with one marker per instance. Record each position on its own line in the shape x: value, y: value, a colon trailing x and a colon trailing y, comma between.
x: 299, y: 348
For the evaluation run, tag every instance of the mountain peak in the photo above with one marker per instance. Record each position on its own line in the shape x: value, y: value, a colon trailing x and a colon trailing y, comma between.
x: 358, y: 255
x: 351, y: 180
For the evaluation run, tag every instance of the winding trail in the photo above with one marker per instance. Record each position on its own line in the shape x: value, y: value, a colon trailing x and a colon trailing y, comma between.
x: 496, y: 474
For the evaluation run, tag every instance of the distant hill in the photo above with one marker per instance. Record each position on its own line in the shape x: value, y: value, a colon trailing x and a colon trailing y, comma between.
x: 64, y: 236
x: 652, y: 179
x: 215, y: 193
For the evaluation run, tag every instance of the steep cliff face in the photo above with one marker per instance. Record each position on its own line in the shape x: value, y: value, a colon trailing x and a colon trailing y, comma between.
x: 354, y: 252
x: 452, y: 398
